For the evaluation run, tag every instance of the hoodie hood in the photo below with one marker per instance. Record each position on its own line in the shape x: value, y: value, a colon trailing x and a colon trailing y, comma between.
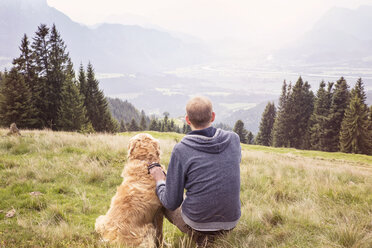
x: 215, y: 144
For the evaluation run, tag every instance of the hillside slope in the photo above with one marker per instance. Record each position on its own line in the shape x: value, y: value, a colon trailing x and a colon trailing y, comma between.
x: 109, y: 47
x: 289, y: 198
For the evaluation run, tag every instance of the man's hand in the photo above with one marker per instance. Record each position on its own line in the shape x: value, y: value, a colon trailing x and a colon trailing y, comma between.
x: 157, y: 173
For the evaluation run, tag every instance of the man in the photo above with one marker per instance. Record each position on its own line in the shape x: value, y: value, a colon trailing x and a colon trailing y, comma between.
x: 207, y: 164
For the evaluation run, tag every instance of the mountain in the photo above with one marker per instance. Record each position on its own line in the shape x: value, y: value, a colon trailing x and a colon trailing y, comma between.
x: 342, y: 36
x: 251, y: 117
x: 110, y: 47
x: 124, y: 110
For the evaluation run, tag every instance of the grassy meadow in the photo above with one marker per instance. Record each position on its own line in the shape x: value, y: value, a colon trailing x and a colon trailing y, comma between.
x: 290, y: 198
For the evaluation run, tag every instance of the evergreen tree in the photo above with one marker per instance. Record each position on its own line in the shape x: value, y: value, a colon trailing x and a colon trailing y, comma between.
x: 58, y: 71
x: 165, y: 124
x: 1, y: 77
x: 122, y: 128
x: 177, y: 129
x: 133, y: 127
x: 301, y: 105
x: 15, y: 101
x: 250, y: 138
x: 186, y: 128
x: 97, y: 106
x: 82, y: 79
x: 320, y: 119
x: 171, y: 127
x: 240, y: 130
x: 355, y: 136
x: 359, y: 91
x: 25, y: 65
x: 40, y: 54
x: 370, y: 119
x: 281, y: 123
x: 143, y: 124
x: 72, y: 112
x: 340, y: 101
x: 153, y: 125
x: 266, y: 126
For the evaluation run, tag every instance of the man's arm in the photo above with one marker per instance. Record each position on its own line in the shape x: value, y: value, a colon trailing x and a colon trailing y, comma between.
x: 170, y: 189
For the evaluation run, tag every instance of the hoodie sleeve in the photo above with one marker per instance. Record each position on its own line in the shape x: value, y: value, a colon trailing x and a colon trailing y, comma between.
x: 170, y: 192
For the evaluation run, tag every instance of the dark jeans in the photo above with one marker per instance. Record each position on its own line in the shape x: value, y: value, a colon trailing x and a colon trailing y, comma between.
x: 201, y: 238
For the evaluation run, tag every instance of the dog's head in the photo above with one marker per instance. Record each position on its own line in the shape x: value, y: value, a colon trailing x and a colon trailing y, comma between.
x: 144, y: 147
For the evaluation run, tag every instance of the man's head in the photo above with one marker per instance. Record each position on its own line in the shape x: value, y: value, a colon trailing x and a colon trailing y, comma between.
x: 199, y: 112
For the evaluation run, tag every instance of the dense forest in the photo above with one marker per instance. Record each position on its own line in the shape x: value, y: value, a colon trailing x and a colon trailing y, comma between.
x: 335, y: 119
x: 41, y: 90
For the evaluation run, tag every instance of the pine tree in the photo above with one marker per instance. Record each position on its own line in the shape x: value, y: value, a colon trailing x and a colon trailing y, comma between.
x: 301, y: 105
x: 266, y: 126
x: 153, y: 125
x: 133, y: 127
x: 58, y: 71
x: 165, y: 124
x: 250, y: 138
x: 1, y: 77
x: 122, y: 128
x: 186, y: 128
x: 143, y: 124
x: 25, y: 65
x: 171, y: 127
x: 72, y: 112
x: 340, y: 101
x: 15, y: 101
x: 40, y: 53
x: 241, y: 131
x: 281, y: 123
x: 82, y: 79
x: 355, y: 136
x: 320, y: 119
x: 370, y: 120
x: 359, y: 91
x: 97, y: 106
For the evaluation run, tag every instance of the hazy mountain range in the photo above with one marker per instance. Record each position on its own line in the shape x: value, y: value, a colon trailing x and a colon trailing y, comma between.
x: 340, y: 36
x: 110, y: 47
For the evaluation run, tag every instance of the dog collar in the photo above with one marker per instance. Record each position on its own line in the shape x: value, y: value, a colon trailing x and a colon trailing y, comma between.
x: 152, y: 165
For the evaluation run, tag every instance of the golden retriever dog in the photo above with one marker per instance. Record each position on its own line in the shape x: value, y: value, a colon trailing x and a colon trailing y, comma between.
x: 135, y: 217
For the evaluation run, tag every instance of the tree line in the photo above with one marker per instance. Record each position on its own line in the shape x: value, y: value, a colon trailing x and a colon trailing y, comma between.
x: 335, y: 119
x: 41, y: 90
x: 156, y: 124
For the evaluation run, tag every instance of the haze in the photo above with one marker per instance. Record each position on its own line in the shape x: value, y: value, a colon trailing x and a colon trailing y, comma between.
x: 269, y: 23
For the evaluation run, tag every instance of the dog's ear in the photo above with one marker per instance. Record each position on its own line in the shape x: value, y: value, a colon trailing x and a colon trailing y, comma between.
x: 157, y: 147
x: 131, y: 146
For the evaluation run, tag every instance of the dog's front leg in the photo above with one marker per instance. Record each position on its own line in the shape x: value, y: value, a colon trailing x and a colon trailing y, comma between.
x: 158, y: 223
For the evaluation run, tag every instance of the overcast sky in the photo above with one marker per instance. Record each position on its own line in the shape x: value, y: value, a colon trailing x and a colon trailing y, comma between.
x: 262, y: 22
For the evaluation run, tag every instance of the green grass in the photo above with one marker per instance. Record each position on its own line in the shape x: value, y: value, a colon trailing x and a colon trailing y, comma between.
x: 290, y: 198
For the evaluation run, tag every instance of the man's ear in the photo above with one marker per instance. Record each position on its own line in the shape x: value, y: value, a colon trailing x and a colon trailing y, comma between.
x: 187, y: 120
x: 213, y: 116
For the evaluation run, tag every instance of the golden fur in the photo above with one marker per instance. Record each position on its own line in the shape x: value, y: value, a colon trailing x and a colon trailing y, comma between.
x: 135, y: 215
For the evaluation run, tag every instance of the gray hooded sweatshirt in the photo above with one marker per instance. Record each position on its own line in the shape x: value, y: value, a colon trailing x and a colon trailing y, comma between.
x: 209, y: 169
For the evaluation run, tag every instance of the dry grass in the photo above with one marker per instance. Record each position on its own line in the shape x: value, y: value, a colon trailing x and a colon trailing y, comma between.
x: 289, y: 198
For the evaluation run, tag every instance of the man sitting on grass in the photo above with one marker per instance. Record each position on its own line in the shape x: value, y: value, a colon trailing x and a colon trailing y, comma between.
x: 206, y: 164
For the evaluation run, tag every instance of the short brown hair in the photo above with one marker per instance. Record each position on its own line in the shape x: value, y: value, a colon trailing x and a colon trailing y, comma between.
x: 199, y: 109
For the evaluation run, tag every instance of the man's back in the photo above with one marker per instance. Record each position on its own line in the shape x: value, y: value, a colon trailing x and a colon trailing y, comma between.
x: 208, y: 168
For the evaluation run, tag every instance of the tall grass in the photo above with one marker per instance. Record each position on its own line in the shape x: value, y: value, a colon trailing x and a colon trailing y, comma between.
x: 289, y: 198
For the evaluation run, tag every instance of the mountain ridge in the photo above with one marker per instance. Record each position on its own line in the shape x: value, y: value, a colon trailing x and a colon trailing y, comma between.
x: 111, y: 48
